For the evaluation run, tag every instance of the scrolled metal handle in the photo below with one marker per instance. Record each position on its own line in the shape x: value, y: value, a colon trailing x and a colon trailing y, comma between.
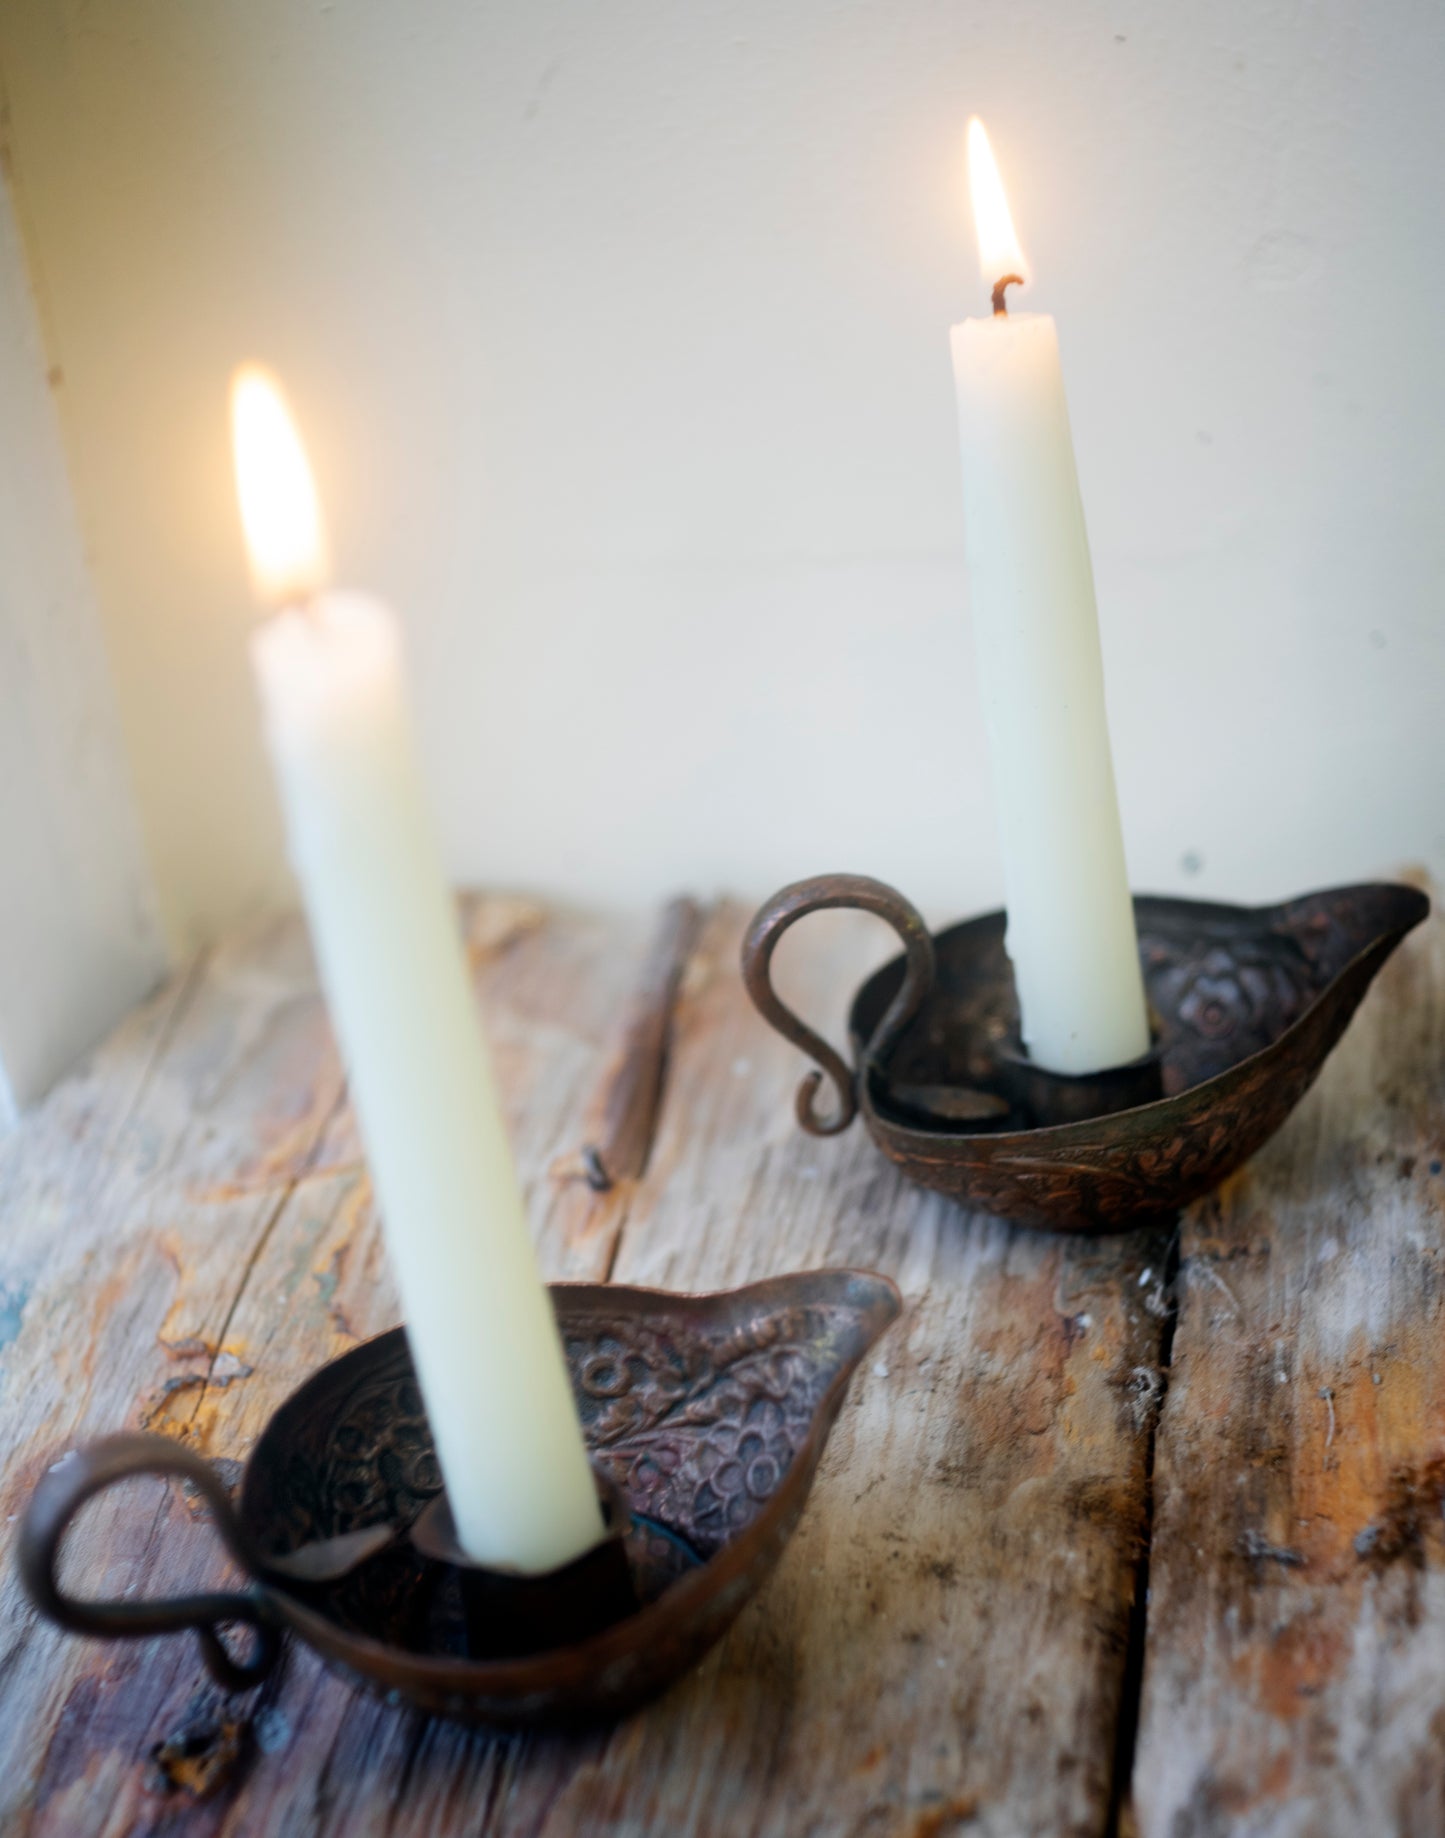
x: 60, y: 1496
x: 785, y: 909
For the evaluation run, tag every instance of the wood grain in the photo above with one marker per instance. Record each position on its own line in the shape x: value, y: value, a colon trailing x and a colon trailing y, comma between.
x: 186, y: 1231
x: 943, y: 1647
x: 1295, y: 1676
x: 950, y: 1644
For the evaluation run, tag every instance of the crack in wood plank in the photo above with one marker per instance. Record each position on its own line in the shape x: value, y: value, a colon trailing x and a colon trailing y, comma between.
x: 1119, y: 1820
x: 624, y: 1112
x: 624, y: 1115
x: 259, y: 1247
x: 186, y: 988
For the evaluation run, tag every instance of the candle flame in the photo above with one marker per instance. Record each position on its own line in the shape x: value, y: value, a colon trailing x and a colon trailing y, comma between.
x: 280, y: 512
x: 999, y: 253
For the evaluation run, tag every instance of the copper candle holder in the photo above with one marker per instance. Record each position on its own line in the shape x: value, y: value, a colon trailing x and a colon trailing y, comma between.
x: 705, y: 1416
x: 1246, y: 1004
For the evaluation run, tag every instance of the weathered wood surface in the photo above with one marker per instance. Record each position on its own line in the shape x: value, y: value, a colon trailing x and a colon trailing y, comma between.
x: 1295, y: 1677
x: 951, y: 1643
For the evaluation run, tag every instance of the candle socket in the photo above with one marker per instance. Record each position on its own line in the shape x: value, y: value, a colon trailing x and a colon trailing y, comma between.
x: 1245, y: 1004
x: 507, y: 1615
x: 1040, y: 1099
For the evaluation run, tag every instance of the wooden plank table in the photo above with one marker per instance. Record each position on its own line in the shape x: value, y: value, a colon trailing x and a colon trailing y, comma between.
x: 1072, y: 1564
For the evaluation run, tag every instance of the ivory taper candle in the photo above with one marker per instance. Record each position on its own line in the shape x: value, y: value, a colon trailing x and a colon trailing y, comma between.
x: 478, y: 1319
x: 1071, y: 935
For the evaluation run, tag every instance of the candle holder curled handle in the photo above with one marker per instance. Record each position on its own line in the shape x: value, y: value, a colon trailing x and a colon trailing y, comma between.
x: 785, y: 909
x: 99, y: 1465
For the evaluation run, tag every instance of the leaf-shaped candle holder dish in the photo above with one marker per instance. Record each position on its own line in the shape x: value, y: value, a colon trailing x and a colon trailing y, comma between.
x: 1247, y: 1003
x: 705, y: 1416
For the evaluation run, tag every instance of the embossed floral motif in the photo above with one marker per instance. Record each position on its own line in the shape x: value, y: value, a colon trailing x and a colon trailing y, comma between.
x: 704, y: 1432
x: 1226, y: 1002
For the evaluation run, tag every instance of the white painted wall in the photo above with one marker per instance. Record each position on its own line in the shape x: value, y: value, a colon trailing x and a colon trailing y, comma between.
x: 79, y: 939
x: 620, y: 333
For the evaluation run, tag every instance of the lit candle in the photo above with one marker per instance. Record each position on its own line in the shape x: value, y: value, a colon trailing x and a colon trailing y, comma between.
x: 1071, y: 935
x: 479, y: 1322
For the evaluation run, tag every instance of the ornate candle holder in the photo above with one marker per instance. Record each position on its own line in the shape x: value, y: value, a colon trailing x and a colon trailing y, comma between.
x: 705, y: 1416
x: 1246, y: 1004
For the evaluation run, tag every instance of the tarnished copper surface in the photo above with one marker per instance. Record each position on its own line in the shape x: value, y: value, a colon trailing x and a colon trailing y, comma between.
x: 1248, y: 1003
x: 706, y: 1414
